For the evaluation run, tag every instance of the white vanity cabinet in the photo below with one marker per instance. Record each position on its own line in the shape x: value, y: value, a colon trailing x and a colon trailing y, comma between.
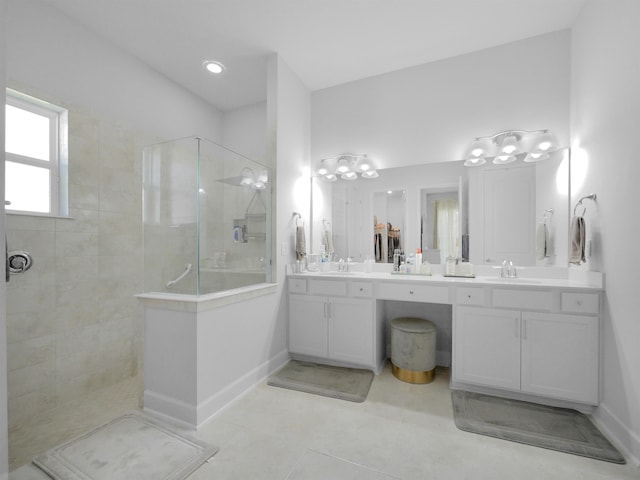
x: 548, y: 352
x: 333, y: 320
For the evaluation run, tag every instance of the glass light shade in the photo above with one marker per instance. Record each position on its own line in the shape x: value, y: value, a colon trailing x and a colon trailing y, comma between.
x: 478, y: 149
x: 503, y: 159
x: 510, y: 144
x: 329, y: 177
x: 474, y: 162
x: 263, y: 176
x: 343, y: 165
x: 364, y: 165
x: 536, y: 156
x: 370, y: 174
x: 544, y: 142
x: 247, y: 177
x: 349, y: 176
x: 322, y: 169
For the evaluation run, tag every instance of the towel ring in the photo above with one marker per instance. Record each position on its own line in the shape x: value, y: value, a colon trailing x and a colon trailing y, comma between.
x: 584, y: 209
x: 298, y: 217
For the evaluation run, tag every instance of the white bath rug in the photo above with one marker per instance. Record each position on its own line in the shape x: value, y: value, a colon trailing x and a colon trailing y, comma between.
x: 131, y: 446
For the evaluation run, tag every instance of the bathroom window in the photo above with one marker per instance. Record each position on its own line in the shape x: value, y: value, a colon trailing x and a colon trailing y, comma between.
x: 35, y: 156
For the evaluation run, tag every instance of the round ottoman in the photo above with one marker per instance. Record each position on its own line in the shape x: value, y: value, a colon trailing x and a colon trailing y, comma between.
x: 413, y: 349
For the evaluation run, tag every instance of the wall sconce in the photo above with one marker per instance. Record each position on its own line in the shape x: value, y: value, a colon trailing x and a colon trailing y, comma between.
x: 510, y: 145
x: 346, y: 166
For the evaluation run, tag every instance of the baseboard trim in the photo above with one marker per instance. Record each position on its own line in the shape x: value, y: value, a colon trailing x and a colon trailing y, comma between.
x: 170, y: 408
x: 625, y: 440
x: 224, y: 398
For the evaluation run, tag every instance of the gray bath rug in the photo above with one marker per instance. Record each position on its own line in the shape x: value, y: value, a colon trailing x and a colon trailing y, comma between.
x: 131, y: 446
x: 350, y: 384
x: 560, y: 429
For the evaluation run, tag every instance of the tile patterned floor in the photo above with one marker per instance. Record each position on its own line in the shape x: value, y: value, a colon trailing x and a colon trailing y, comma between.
x: 402, y: 432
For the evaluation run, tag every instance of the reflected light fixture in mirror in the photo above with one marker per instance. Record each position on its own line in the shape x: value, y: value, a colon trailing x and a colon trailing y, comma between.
x: 511, y: 145
x: 346, y: 166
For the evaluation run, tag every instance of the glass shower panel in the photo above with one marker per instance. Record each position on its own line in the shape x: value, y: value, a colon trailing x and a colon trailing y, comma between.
x: 170, y: 201
x: 207, y: 218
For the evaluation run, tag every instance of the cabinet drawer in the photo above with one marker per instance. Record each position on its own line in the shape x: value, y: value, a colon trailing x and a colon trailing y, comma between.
x: 327, y: 287
x: 470, y: 296
x: 413, y: 293
x: 522, y: 299
x: 361, y: 289
x: 297, y: 285
x: 580, y: 302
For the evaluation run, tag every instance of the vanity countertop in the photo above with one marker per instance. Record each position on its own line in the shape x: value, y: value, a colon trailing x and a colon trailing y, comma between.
x: 554, y: 278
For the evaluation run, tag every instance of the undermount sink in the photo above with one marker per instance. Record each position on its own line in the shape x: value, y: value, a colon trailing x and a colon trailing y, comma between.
x: 337, y: 273
x: 513, y: 280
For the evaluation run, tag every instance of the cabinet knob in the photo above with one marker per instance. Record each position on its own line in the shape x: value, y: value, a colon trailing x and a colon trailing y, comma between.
x: 411, y: 292
x: 468, y: 295
x: 579, y: 302
x: 361, y: 289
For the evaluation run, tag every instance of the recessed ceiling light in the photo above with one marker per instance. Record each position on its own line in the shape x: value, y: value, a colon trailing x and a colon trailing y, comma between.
x: 213, y: 67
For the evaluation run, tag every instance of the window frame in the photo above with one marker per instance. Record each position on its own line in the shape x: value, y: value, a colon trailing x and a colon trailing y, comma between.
x: 58, y: 152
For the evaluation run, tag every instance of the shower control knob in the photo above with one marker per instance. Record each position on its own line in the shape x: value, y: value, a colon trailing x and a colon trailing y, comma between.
x: 19, y: 262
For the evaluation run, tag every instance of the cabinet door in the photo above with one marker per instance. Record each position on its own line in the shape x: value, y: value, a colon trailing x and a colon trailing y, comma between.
x: 560, y: 356
x: 308, y: 325
x: 351, y: 331
x: 487, y: 347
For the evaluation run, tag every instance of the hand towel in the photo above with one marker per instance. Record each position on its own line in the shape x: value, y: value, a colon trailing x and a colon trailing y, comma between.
x: 542, y: 241
x: 577, y: 236
x: 328, y: 240
x: 301, y: 248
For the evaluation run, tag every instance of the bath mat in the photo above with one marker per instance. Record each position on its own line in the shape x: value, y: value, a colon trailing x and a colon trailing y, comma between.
x: 350, y: 384
x: 131, y: 446
x: 560, y: 429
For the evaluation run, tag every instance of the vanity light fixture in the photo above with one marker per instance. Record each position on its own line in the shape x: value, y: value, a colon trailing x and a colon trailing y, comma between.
x: 511, y: 145
x: 212, y: 66
x: 347, y: 166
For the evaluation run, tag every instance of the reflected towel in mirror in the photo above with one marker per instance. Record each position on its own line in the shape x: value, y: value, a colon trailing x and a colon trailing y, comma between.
x: 542, y: 241
x: 301, y: 248
x: 577, y: 235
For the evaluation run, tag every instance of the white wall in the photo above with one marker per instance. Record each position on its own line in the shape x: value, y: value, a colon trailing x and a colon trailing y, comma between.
x: 92, y: 72
x: 244, y: 131
x: 605, y: 107
x: 4, y: 447
x: 432, y: 112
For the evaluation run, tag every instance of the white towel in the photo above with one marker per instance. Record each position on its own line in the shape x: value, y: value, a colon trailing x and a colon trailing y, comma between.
x: 328, y: 240
x: 577, y: 236
x: 301, y: 248
x: 542, y: 241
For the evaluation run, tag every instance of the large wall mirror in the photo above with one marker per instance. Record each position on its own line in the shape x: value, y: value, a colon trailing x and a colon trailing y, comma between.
x: 486, y: 214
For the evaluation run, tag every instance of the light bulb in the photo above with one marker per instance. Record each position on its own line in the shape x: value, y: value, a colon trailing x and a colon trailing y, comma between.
x: 343, y: 165
x: 370, y: 174
x: 502, y: 159
x: 510, y: 144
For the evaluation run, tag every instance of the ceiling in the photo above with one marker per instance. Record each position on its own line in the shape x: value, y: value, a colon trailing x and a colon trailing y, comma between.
x: 326, y: 42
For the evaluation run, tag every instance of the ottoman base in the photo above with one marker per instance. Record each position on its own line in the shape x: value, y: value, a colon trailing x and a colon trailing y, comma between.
x: 412, y: 376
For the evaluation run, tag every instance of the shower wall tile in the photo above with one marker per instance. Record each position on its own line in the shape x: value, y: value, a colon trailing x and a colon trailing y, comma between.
x: 32, y: 378
x: 23, y: 222
x: 82, y: 220
x: 70, y: 342
x: 74, y: 325
x: 25, y: 326
x: 31, y: 352
x: 33, y: 407
x: 83, y: 196
x: 76, y: 244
